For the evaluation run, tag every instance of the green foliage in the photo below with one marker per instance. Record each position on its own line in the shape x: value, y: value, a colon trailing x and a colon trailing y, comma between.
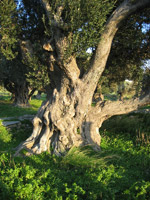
x: 4, y: 93
x: 37, y: 74
x: 129, y: 50
x: 8, y: 67
x: 9, y: 28
x: 83, y: 23
x: 87, y: 20
x: 131, y: 124
x: 120, y: 171
x: 5, y: 137
x: 19, y: 22
x: 31, y: 14
x: 84, y: 20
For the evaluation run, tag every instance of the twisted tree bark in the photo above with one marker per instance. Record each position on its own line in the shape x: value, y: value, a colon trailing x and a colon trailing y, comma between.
x: 67, y: 118
x: 20, y: 92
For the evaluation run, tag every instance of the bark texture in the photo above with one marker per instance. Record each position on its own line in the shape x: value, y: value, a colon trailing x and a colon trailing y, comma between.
x: 21, y: 96
x: 67, y: 118
x: 20, y: 92
x: 63, y: 122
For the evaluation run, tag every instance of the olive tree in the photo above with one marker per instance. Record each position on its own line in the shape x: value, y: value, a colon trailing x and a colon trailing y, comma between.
x: 67, y: 118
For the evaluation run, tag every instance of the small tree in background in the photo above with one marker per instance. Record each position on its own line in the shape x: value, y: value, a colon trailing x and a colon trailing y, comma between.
x: 15, y: 70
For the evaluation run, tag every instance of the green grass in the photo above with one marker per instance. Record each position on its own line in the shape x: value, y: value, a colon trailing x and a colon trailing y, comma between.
x: 7, y: 110
x: 5, y: 137
x: 121, y: 171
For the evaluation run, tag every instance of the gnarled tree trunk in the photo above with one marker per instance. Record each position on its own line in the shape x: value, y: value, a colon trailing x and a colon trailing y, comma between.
x: 20, y: 92
x: 63, y: 121
x: 67, y: 118
x: 21, y: 97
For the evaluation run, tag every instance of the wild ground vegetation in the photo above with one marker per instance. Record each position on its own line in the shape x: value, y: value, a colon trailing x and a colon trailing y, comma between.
x: 120, y: 171
x: 68, y: 49
x: 44, y: 45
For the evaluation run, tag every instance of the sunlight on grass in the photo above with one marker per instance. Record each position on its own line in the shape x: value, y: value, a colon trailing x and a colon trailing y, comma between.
x: 120, y: 171
x: 5, y: 137
x: 35, y: 104
x: 87, y: 157
x: 8, y: 110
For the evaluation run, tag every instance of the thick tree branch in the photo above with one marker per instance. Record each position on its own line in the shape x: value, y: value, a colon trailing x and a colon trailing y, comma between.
x: 9, y: 86
x: 71, y: 69
x: 55, y: 18
x: 47, y: 8
x: 110, y: 108
x: 99, y: 62
x: 32, y: 92
x: 61, y: 43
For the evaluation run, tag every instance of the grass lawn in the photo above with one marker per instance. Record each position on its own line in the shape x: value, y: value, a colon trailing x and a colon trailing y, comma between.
x: 121, y: 171
x: 7, y: 110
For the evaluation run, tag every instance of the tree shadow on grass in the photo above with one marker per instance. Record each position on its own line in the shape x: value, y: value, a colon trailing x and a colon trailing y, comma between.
x: 113, y: 173
x: 116, y: 179
x: 5, y: 193
x: 109, y: 181
x: 10, y: 138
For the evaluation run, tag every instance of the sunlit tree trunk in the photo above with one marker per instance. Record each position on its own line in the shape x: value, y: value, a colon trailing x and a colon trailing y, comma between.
x: 67, y: 118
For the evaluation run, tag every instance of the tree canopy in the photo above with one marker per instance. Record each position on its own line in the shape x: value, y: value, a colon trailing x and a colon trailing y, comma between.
x: 82, y: 23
